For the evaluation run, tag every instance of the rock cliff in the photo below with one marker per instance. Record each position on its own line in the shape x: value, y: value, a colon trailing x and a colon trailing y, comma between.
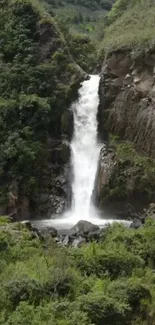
x: 127, y: 92
x: 127, y: 110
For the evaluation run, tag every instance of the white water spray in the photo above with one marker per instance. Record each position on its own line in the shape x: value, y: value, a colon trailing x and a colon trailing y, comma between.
x: 85, y: 150
x: 85, y: 155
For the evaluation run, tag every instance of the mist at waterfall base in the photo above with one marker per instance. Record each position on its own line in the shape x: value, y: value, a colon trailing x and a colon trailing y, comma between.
x: 85, y: 151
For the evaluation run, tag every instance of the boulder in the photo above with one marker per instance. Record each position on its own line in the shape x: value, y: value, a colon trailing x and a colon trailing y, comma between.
x: 136, y: 224
x: 85, y: 227
x: 94, y: 235
x: 78, y: 242
x: 47, y: 232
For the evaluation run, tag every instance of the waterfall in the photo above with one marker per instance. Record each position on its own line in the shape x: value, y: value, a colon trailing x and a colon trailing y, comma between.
x: 85, y: 149
x: 85, y: 155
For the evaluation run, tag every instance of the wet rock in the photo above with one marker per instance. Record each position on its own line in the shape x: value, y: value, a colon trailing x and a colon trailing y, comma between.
x: 106, y: 167
x: 94, y: 235
x: 136, y: 224
x: 47, y: 232
x: 57, y: 204
x: 85, y: 227
x: 28, y: 225
x: 66, y: 241
x: 139, y: 216
x: 150, y: 212
x: 13, y: 217
x: 79, y: 242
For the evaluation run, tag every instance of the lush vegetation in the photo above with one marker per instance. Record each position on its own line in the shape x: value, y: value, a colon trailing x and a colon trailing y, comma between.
x: 82, y: 16
x: 111, y: 282
x: 37, y: 81
x: 130, y: 25
x: 82, y: 47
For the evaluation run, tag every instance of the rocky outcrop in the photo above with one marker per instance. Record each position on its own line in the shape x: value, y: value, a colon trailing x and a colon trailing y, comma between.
x: 127, y: 99
x: 127, y: 110
x: 85, y: 227
x: 125, y: 182
x: 83, y: 232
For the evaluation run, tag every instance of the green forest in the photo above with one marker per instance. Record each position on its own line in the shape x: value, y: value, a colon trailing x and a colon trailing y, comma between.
x: 84, y: 17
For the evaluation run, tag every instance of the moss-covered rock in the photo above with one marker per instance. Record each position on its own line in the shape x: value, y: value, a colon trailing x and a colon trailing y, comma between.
x: 126, y: 181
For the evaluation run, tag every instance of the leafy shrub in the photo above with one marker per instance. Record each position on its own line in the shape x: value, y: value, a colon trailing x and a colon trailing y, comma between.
x: 104, y: 310
x: 111, y: 260
x: 24, y: 289
x: 42, y: 283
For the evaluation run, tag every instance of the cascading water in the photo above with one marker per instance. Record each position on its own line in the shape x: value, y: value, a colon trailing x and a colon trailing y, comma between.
x: 85, y: 149
x: 85, y: 155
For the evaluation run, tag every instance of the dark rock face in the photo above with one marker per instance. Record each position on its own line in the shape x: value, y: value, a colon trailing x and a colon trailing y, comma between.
x: 119, y: 187
x: 127, y: 105
x: 105, y: 169
x: 54, y: 194
x: 55, y: 191
x: 127, y: 99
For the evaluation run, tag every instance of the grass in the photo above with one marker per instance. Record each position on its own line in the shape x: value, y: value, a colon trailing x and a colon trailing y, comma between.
x: 133, y: 29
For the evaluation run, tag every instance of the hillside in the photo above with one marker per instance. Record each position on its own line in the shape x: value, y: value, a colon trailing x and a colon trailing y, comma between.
x: 38, y: 81
x: 82, y: 16
x: 130, y: 25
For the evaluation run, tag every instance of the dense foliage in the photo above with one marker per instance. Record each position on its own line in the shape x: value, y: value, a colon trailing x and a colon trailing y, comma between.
x: 82, y: 47
x: 37, y: 79
x: 111, y: 282
x: 82, y: 16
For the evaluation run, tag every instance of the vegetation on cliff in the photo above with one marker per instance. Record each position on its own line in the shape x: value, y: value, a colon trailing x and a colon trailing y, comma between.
x: 111, y: 282
x: 82, y: 47
x: 132, y: 177
x: 127, y: 100
x: 130, y: 25
x: 82, y: 16
x: 37, y: 83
